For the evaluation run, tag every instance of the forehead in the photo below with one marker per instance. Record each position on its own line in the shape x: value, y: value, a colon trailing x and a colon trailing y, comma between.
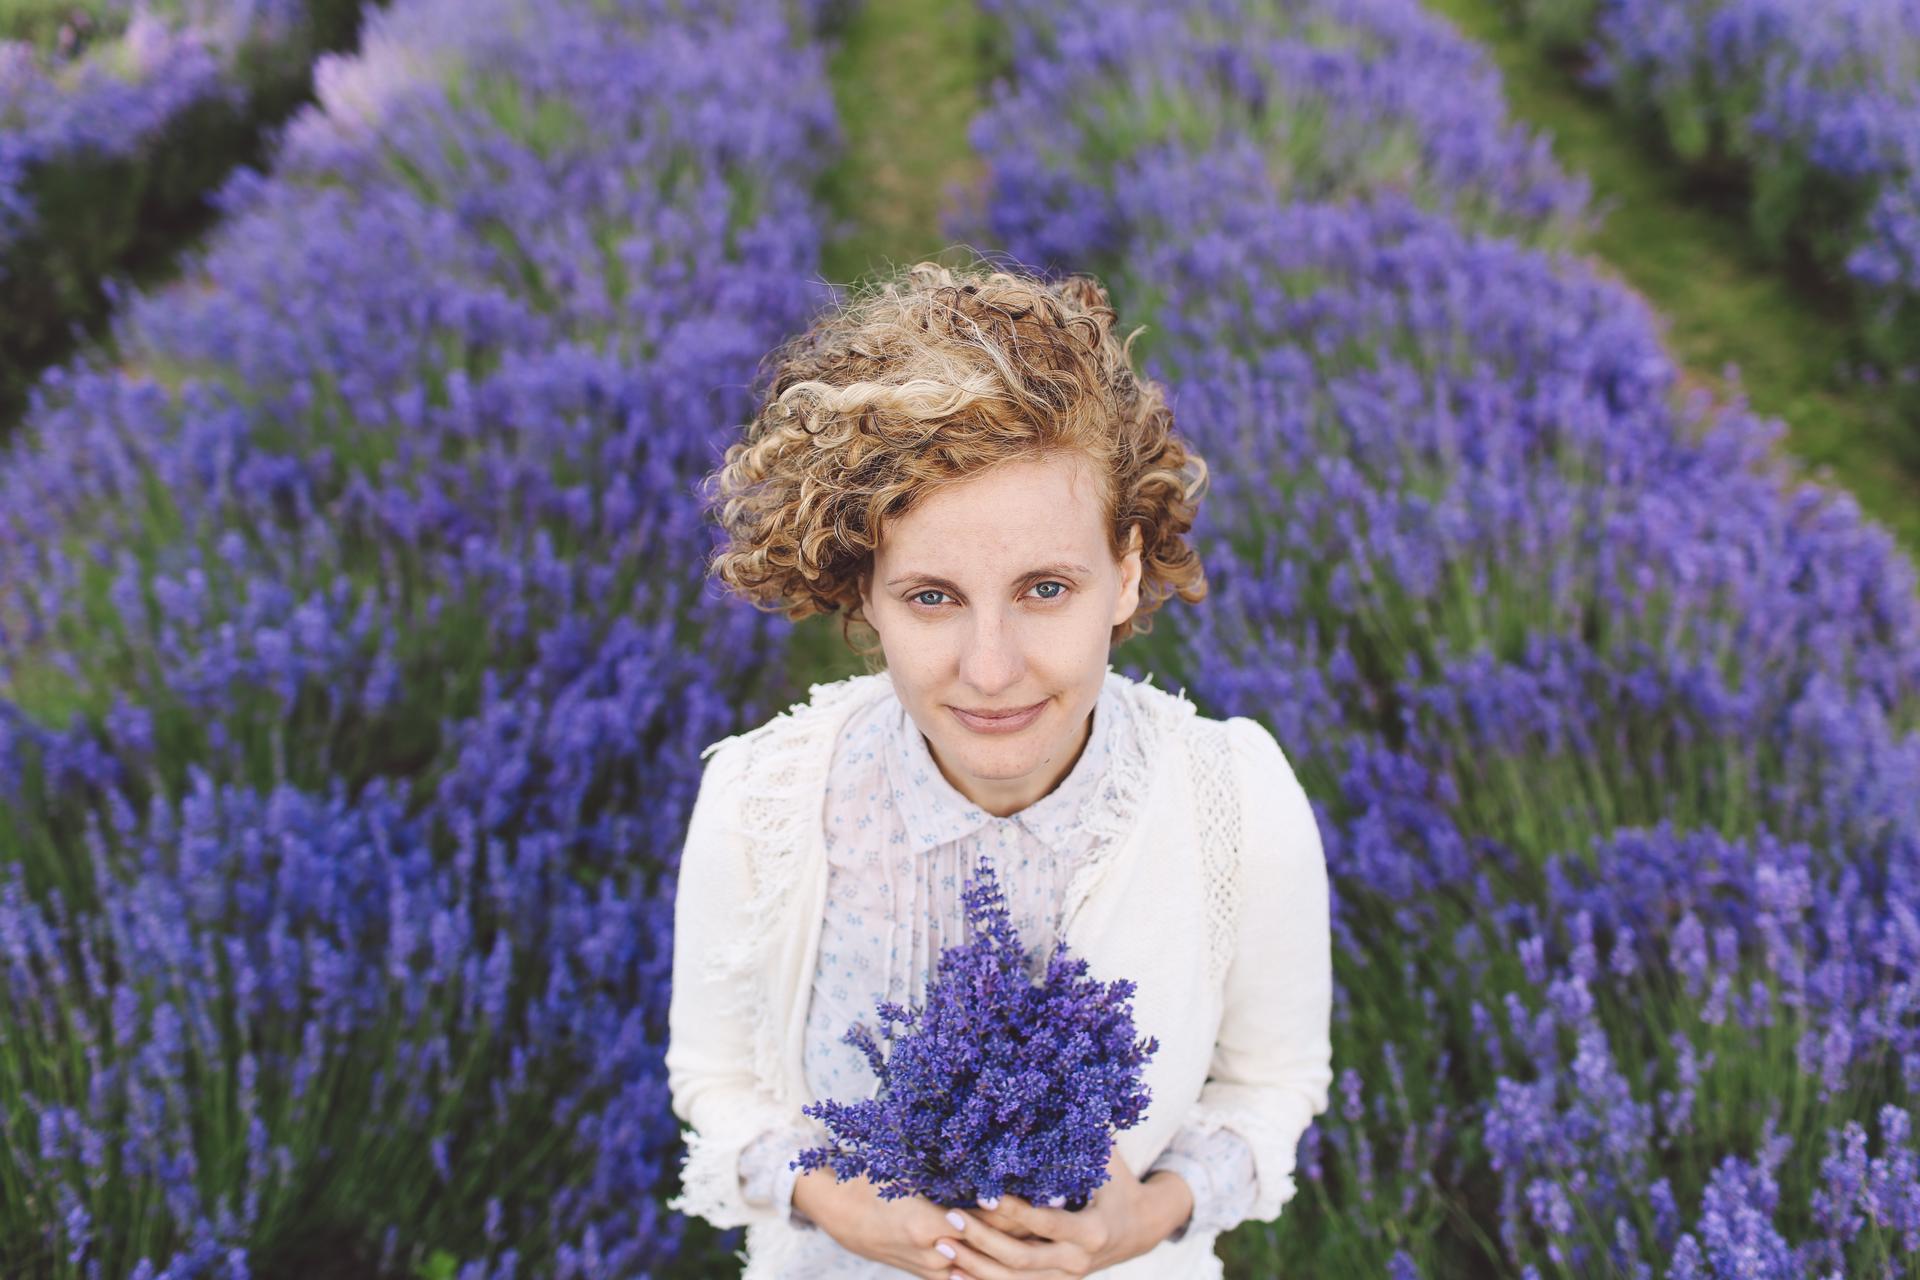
x: 1019, y: 509
x: 1039, y: 488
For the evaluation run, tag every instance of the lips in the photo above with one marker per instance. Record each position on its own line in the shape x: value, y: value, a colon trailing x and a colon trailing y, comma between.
x: 1011, y: 722
x: 999, y: 715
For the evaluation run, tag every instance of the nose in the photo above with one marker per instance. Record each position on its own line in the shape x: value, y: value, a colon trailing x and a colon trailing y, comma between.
x: 993, y: 660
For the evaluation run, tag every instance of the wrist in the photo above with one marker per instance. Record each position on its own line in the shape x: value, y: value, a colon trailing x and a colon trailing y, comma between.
x: 1169, y: 1205
x: 831, y: 1203
x: 810, y: 1191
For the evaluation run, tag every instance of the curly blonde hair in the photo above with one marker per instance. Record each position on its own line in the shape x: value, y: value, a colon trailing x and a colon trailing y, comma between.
x: 926, y: 378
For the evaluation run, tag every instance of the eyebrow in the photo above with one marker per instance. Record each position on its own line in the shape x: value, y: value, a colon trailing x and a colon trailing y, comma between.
x: 1066, y: 567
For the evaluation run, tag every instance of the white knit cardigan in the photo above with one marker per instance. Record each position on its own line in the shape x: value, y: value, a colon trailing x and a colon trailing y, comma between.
x: 1238, y: 996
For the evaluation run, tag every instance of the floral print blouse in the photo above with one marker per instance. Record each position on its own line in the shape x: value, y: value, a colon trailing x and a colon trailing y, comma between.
x: 900, y: 841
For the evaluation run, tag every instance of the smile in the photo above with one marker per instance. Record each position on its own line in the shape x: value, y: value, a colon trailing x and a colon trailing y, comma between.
x: 1000, y: 724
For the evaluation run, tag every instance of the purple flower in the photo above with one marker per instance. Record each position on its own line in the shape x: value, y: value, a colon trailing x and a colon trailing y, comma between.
x: 997, y: 1084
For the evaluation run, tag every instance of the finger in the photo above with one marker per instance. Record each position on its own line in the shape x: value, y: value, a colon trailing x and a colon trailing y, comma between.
x: 972, y: 1263
x: 1039, y: 1221
x: 1012, y: 1228
x: 997, y: 1254
x: 1004, y: 1221
x: 980, y: 1266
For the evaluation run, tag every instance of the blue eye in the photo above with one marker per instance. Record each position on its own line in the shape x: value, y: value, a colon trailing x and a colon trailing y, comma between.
x: 931, y: 591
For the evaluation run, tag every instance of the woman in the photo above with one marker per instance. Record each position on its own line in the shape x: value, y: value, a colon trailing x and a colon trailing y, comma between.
x: 965, y: 465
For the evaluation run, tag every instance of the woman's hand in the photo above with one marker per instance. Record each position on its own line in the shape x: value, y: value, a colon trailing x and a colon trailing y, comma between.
x: 901, y: 1233
x: 1019, y: 1240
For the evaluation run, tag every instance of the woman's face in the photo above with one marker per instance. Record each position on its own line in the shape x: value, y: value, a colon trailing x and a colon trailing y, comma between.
x: 995, y: 594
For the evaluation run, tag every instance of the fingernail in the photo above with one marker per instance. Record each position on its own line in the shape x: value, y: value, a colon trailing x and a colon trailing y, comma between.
x: 1056, y: 1202
x: 947, y: 1249
x: 989, y: 1202
x: 959, y: 1223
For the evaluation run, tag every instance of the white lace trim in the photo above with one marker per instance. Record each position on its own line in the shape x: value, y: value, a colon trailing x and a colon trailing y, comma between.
x: 786, y: 780
x: 710, y: 1181
x: 1215, y: 797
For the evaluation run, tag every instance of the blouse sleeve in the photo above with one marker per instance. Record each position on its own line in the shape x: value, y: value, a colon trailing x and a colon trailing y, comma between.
x: 1218, y: 1168
x: 1272, y: 1062
x: 766, y: 1179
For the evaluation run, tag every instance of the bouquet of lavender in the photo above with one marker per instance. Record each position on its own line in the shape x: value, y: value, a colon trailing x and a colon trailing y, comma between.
x: 998, y: 1084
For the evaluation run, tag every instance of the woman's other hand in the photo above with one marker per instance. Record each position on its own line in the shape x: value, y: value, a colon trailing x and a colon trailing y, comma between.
x: 900, y: 1233
x: 1019, y: 1240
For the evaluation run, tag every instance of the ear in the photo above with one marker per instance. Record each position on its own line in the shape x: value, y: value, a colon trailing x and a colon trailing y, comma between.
x: 1131, y: 574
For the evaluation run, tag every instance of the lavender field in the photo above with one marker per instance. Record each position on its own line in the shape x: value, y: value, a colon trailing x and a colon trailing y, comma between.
x: 355, y: 661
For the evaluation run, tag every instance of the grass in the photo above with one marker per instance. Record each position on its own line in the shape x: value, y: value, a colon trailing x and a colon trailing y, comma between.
x: 1683, y: 242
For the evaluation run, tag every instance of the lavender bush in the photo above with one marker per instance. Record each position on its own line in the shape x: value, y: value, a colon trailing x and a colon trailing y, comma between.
x: 1610, y: 720
x: 1816, y: 106
x: 353, y: 683
x: 1333, y: 97
x: 998, y: 1084
x: 116, y: 118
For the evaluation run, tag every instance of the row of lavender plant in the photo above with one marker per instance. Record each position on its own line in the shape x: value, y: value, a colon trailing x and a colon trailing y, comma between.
x: 104, y: 81
x: 354, y: 680
x: 116, y: 118
x: 1610, y: 722
x: 1815, y: 105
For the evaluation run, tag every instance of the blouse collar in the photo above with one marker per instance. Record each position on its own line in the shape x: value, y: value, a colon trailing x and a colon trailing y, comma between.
x: 937, y: 813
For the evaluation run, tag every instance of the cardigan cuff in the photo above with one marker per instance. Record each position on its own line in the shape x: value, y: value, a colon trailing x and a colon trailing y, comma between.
x: 768, y: 1174
x: 710, y: 1184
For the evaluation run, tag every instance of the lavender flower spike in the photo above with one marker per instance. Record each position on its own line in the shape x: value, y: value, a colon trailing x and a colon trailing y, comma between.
x: 999, y: 1084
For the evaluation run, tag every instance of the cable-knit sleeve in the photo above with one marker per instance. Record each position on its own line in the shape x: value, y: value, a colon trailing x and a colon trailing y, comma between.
x: 1272, y: 1063
x: 709, y: 1052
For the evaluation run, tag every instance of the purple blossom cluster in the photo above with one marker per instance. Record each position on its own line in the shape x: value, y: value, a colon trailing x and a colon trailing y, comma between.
x: 354, y: 681
x: 103, y: 80
x: 1611, y: 720
x: 997, y: 1084
x: 1816, y: 102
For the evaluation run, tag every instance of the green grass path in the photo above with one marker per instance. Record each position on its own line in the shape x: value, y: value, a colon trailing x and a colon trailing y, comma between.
x: 1687, y: 248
